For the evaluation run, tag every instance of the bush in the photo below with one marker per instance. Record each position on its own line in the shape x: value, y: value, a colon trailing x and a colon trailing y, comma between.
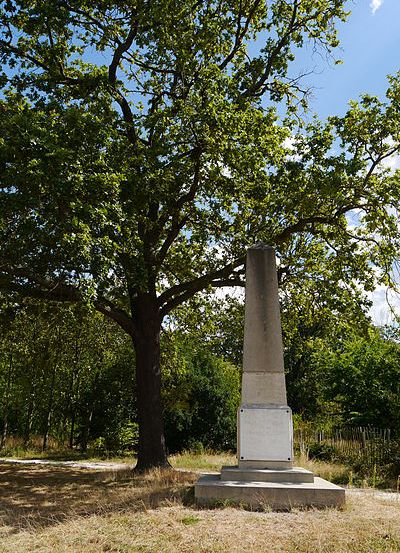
x: 201, y: 397
x: 128, y: 436
x: 123, y: 440
x: 321, y: 451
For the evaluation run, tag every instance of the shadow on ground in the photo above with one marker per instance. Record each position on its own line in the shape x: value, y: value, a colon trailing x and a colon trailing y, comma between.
x: 32, y: 496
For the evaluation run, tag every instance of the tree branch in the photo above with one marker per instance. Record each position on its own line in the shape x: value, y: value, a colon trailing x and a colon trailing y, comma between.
x: 89, y: 16
x: 38, y: 288
x: 179, y: 293
x: 112, y: 79
x: 302, y: 224
x: 273, y: 55
x: 228, y: 282
x: 116, y: 314
x: 176, y: 224
x: 15, y: 50
x: 240, y: 33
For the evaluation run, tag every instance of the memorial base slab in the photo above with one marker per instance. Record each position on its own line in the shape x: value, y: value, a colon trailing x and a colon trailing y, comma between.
x: 295, y: 474
x: 265, y: 488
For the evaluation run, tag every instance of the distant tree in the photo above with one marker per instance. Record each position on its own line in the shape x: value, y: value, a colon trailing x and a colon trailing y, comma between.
x: 141, y: 153
x: 201, y: 394
x: 65, y: 373
x: 362, y: 377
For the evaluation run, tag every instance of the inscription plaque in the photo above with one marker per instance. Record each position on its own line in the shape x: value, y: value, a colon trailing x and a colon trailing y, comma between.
x: 265, y: 433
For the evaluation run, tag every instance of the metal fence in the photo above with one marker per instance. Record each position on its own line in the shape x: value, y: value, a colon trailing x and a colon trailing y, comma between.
x: 367, y: 445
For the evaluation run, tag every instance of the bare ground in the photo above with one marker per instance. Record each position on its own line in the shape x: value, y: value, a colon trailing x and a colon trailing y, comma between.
x: 68, y: 509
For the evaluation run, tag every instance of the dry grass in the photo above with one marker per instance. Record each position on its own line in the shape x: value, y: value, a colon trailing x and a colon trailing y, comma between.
x: 209, y: 461
x: 206, y: 461
x: 334, y: 472
x: 59, y: 509
x: 45, y: 495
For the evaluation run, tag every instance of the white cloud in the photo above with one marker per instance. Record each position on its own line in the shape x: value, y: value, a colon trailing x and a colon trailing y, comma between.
x: 290, y: 144
x: 385, y: 306
x: 392, y: 162
x: 375, y: 5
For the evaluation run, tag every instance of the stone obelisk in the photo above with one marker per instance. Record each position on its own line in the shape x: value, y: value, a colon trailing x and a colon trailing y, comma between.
x: 264, y: 474
x: 264, y: 418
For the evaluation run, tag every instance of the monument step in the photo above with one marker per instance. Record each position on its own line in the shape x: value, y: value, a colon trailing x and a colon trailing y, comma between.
x: 211, y: 490
x: 292, y: 475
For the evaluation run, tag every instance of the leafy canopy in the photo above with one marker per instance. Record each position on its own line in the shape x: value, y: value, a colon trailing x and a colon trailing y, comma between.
x: 141, y: 151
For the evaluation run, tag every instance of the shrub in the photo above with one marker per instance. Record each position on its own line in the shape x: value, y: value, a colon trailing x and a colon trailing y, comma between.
x: 321, y: 451
x: 122, y: 440
x: 201, y: 397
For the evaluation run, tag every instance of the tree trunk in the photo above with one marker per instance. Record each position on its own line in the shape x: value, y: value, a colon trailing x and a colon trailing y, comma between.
x: 72, y: 388
x: 47, y: 421
x: 5, y: 430
x: 29, y: 420
x: 6, y: 403
x: 91, y: 403
x: 146, y: 341
x: 72, y: 430
x: 46, y: 431
x: 86, y: 431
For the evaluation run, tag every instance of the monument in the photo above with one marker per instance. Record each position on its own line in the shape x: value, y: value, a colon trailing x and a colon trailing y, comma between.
x: 264, y: 475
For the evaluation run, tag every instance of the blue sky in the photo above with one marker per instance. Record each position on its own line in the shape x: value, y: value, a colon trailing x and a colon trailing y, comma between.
x: 370, y: 50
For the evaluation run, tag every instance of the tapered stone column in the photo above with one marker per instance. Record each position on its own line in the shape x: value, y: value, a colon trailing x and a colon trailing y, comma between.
x: 264, y: 418
x: 263, y: 380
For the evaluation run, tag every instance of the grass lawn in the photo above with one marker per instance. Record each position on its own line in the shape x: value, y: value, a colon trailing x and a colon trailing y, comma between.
x: 64, y: 509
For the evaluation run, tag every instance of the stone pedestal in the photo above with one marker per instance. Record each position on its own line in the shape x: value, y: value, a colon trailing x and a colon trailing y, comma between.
x: 265, y: 474
x: 212, y: 490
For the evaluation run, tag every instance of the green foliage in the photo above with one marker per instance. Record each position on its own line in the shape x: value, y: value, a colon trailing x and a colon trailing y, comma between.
x: 128, y: 435
x: 141, y: 153
x: 201, y: 397
x: 189, y: 520
x: 362, y: 376
x: 321, y: 451
x: 317, y: 314
x: 148, y: 153
x: 93, y: 400
x: 64, y: 371
x: 122, y: 440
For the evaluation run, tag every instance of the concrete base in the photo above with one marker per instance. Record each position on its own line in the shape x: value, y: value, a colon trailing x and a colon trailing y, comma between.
x: 211, y: 489
x: 292, y: 475
x: 275, y: 465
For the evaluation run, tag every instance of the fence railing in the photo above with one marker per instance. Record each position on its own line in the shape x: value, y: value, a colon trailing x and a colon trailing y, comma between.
x: 357, y: 444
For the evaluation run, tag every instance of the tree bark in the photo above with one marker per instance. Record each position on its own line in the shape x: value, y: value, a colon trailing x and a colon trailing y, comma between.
x: 47, y: 422
x: 72, y: 430
x: 146, y: 341
x: 86, y: 430
x: 6, y: 403
x: 29, y: 420
x: 72, y: 388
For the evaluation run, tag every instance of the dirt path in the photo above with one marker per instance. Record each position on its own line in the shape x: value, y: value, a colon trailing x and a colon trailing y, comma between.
x: 94, y: 465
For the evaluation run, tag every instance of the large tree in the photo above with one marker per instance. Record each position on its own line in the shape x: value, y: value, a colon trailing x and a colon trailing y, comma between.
x: 141, y: 153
